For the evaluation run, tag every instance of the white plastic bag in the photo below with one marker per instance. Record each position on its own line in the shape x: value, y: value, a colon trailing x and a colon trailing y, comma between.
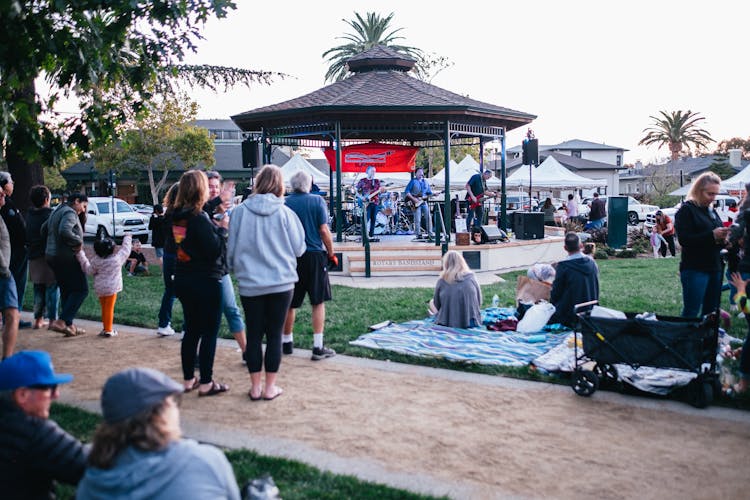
x: 606, y: 312
x: 535, y: 318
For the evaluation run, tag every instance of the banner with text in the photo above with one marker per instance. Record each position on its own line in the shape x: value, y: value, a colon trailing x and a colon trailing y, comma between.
x: 384, y: 157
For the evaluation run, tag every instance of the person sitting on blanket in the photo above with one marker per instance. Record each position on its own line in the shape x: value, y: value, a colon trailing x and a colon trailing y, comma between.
x: 576, y: 281
x: 457, y: 297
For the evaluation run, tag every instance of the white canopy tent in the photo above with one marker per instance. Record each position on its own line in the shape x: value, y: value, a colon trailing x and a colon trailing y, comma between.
x: 684, y: 190
x: 460, y: 174
x: 551, y: 174
x: 737, y: 181
x: 297, y: 163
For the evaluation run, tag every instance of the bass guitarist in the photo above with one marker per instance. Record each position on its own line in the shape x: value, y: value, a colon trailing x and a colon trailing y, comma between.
x: 476, y: 191
x: 417, y: 193
x: 368, y: 192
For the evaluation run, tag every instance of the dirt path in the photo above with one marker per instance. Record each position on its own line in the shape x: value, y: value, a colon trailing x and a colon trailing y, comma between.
x: 438, y: 431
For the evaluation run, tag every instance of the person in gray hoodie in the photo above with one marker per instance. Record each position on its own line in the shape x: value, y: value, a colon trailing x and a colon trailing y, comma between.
x: 265, y: 239
x: 138, y: 451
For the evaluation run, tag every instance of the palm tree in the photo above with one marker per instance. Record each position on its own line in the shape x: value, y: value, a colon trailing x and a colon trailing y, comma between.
x: 368, y: 32
x: 676, y: 130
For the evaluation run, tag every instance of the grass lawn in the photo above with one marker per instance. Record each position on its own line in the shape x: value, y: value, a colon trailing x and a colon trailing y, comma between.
x: 294, y: 479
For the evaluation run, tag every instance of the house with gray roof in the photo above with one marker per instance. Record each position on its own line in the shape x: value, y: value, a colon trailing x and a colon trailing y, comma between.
x: 585, y: 150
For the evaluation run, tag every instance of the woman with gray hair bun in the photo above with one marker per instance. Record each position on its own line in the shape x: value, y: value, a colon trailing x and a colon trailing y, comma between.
x: 138, y: 450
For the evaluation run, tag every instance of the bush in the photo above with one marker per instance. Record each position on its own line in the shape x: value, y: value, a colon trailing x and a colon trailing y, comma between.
x: 639, y: 241
x: 574, y: 226
x: 610, y: 251
x: 601, y: 254
x: 628, y: 253
x: 598, y: 235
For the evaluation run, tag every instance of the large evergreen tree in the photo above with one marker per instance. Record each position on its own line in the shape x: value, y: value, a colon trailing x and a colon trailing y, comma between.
x: 112, y: 56
x: 677, y: 130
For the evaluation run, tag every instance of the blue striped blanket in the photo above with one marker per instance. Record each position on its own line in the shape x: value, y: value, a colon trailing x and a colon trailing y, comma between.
x: 424, y: 338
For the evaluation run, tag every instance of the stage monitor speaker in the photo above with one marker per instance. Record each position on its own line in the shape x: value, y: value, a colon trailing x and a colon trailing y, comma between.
x: 528, y: 225
x: 492, y: 233
x: 530, y: 152
x: 249, y: 153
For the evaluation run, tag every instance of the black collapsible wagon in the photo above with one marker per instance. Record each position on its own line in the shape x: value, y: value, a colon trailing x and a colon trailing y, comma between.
x: 666, y: 342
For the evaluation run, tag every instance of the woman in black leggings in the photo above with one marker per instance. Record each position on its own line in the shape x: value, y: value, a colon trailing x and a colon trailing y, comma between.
x: 265, y: 239
x: 199, y: 243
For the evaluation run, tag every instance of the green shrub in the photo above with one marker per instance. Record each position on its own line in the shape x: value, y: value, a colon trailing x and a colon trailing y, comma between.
x: 598, y: 235
x: 601, y: 254
x: 610, y: 251
x: 628, y: 253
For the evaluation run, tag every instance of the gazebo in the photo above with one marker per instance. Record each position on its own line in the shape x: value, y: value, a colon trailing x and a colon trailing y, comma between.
x: 382, y: 102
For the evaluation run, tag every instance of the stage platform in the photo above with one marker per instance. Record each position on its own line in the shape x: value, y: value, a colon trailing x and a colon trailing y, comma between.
x: 403, y: 255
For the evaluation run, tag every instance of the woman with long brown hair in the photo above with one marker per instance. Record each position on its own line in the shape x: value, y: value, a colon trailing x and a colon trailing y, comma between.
x: 199, y: 244
x: 138, y: 450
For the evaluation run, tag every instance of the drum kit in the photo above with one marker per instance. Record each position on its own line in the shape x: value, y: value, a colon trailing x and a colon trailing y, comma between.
x: 392, y: 217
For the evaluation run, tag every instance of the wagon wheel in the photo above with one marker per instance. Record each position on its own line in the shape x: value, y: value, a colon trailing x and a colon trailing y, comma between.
x: 607, y: 374
x: 584, y: 382
x: 702, y: 393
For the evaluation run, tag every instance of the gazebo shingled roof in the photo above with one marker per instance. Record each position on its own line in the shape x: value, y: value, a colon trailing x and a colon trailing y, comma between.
x: 381, y: 91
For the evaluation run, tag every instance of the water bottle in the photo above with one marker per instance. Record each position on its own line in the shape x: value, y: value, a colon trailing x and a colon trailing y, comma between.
x: 495, y: 301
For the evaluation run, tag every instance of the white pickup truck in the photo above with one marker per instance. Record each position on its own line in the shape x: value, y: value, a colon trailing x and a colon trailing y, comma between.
x: 722, y: 204
x: 636, y: 210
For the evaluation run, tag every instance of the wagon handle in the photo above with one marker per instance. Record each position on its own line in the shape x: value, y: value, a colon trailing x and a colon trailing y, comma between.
x: 583, y: 305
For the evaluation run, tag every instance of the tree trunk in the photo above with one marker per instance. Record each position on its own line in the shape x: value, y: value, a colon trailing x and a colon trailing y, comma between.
x: 26, y: 173
x: 675, y: 148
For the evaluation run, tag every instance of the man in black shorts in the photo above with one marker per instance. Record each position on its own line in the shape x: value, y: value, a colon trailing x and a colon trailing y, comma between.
x: 312, y: 267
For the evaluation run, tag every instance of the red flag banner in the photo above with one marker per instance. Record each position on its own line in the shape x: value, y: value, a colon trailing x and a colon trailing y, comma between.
x: 384, y: 157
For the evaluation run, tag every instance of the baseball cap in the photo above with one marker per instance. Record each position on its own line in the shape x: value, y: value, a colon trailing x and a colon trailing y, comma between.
x: 132, y: 391
x: 659, y: 212
x: 29, y: 368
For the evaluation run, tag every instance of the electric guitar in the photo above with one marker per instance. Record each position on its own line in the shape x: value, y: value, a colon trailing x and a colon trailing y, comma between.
x: 414, y: 202
x: 366, y: 199
x: 480, y: 199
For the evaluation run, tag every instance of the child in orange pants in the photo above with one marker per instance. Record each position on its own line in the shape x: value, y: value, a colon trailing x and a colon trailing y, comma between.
x: 106, y: 267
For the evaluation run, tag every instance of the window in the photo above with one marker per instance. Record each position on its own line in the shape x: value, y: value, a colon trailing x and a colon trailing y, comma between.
x: 122, y: 207
x: 618, y: 162
x: 575, y: 153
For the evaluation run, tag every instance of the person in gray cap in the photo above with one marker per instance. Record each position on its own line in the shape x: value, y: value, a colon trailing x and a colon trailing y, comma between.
x: 34, y: 451
x: 138, y: 450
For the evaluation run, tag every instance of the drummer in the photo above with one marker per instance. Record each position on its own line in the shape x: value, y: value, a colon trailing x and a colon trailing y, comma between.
x: 389, y: 208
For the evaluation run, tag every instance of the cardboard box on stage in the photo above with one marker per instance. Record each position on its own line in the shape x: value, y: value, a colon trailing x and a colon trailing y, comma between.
x: 463, y: 239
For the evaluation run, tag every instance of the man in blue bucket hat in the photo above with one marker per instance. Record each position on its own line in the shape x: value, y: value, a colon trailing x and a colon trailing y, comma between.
x: 34, y: 451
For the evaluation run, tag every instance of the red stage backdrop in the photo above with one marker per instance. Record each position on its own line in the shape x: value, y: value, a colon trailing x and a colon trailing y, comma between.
x: 384, y: 157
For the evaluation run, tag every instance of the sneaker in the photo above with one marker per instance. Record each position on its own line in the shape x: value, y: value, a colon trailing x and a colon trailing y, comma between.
x: 287, y: 347
x: 130, y: 274
x: 319, y: 353
x: 165, y: 331
x: 109, y: 334
x: 102, y: 334
x: 733, y: 308
x: 24, y: 324
x: 741, y: 315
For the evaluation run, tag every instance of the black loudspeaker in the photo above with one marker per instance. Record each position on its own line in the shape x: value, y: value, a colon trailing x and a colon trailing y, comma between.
x: 249, y: 153
x: 530, y: 152
x: 528, y: 225
x: 491, y: 233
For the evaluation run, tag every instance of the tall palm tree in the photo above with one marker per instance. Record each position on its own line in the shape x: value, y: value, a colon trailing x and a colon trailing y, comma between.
x: 676, y: 130
x: 368, y: 32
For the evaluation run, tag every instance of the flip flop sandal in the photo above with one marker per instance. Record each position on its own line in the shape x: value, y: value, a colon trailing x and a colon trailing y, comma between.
x: 196, y: 384
x: 279, y: 392
x: 216, y: 388
x: 70, y: 331
x: 57, y: 329
x: 253, y: 398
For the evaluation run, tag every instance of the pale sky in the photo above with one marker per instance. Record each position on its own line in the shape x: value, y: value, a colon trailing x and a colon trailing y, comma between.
x: 591, y: 70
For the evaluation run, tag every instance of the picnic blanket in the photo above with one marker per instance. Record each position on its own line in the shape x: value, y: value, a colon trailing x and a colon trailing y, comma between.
x: 424, y: 338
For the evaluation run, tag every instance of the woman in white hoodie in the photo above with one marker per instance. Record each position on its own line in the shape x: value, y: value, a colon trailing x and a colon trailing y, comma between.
x: 265, y: 239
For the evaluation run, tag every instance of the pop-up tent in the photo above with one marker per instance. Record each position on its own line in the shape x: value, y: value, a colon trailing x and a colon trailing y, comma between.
x: 551, y: 174
x: 297, y: 163
x: 461, y: 173
x: 737, y: 182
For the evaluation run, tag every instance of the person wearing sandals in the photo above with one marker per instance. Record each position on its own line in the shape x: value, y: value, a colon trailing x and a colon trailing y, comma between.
x: 265, y: 239
x: 64, y: 233
x: 138, y: 450
x: 46, y: 292
x: 106, y: 267
x: 200, y: 244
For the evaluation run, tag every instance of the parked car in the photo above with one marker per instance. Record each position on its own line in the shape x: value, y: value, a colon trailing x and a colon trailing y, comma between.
x: 143, y: 209
x: 722, y: 204
x: 126, y: 219
x: 519, y: 202
x: 637, y: 211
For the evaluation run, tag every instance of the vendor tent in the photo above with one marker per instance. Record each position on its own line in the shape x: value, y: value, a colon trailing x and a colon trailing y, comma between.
x: 297, y: 163
x: 551, y: 174
x: 684, y: 190
x: 737, y: 182
x: 461, y: 173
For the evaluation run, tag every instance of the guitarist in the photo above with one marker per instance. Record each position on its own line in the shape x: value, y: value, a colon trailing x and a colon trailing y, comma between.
x: 416, y: 193
x: 476, y: 191
x: 369, y: 190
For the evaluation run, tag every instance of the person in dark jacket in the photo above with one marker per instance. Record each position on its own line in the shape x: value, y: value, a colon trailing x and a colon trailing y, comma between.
x: 598, y: 213
x: 16, y: 224
x: 64, y: 234
x: 701, y: 235
x: 34, y: 451
x: 201, y: 244
x: 167, y: 268
x: 576, y: 281
x: 46, y: 292
x: 156, y: 226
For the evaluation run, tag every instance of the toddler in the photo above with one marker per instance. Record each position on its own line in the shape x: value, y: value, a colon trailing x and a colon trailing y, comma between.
x: 137, y: 261
x: 106, y: 267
